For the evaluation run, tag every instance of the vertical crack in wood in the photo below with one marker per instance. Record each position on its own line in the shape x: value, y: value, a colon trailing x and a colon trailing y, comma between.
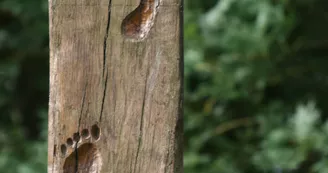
x: 82, y: 106
x: 104, y: 96
x: 105, y: 58
x: 106, y: 36
x: 141, y: 130
x: 152, y: 144
x: 141, y: 120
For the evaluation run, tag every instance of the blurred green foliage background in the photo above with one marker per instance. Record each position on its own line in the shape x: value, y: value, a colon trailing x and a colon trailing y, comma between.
x: 255, y: 86
x: 24, y: 78
x: 256, y: 79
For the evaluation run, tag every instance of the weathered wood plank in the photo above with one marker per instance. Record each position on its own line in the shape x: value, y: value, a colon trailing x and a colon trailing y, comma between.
x: 125, y: 95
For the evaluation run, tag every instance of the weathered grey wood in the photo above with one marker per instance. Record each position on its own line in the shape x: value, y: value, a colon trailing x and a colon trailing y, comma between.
x: 126, y: 95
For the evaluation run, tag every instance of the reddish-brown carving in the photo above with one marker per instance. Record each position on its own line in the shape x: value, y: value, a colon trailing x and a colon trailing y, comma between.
x: 84, y: 156
x: 85, y: 159
x: 137, y: 24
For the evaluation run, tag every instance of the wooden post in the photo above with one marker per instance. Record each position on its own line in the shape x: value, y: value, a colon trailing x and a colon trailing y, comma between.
x: 115, y: 86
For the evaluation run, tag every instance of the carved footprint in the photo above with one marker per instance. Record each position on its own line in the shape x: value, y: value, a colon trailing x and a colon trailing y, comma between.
x: 136, y: 25
x: 82, y: 155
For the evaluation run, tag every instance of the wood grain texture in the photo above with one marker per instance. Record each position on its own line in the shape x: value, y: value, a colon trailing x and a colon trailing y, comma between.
x: 132, y: 91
